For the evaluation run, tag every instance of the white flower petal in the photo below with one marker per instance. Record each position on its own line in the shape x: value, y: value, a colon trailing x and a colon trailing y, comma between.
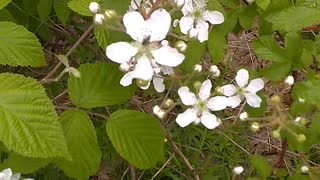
x: 217, y: 103
x: 134, y: 23
x: 214, y: 17
x: 234, y: 101
x: 158, y: 84
x: 255, y: 85
x: 229, y: 90
x: 6, y: 174
x: 145, y: 87
x: 16, y: 176
x: 205, y: 90
x: 188, y: 98
x: 159, y: 24
x: 126, y: 80
x: 242, y: 77
x: 168, y: 56
x: 187, y: 117
x: 120, y: 52
x: 209, y: 120
x: 143, y: 69
x: 187, y: 7
x: 202, y: 28
x: 186, y: 23
x: 253, y: 100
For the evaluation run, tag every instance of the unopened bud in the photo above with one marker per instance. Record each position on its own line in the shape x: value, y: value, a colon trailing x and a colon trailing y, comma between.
x: 181, y: 46
x: 276, y: 134
x: 110, y: 14
x: 175, y: 23
x: 94, y: 7
x: 197, y: 85
x: 168, y: 103
x: 289, y: 80
x: 99, y: 18
x: 243, y: 116
x: 197, y: 68
x: 255, y: 127
x: 301, y: 137
x: 218, y: 90
x: 165, y: 43
x: 215, y: 71
x: 159, y: 112
x: 275, y: 99
x: 304, y: 169
x: 142, y: 83
x: 238, y: 170
x: 250, y: 1
x: 179, y: 3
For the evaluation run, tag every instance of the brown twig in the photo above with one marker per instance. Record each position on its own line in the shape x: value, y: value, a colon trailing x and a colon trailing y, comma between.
x: 48, y: 79
x: 132, y: 172
x: 179, y: 153
x: 283, y: 151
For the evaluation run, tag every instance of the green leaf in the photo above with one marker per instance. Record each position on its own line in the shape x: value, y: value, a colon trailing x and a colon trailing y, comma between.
x: 263, y: 4
x: 4, y: 3
x: 137, y: 137
x: 121, y: 6
x: 98, y: 86
x: 62, y: 10
x: 44, y: 8
x: 81, y: 6
x: 105, y: 37
x: 267, y: 48
x: 23, y: 164
x: 217, y: 45
x: 28, y: 122
x: 294, y: 18
x: 194, y: 54
x: 246, y: 17
x: 308, y: 90
x: 20, y: 47
x: 82, y: 143
x: 277, y: 71
x: 261, y: 164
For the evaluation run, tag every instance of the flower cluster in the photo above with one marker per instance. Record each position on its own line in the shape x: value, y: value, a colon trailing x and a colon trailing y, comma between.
x: 149, y: 57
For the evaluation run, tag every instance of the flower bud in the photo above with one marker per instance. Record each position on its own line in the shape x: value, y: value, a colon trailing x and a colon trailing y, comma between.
x: 297, y: 120
x: 243, y: 116
x: 276, y: 134
x: 197, y: 85
x: 110, y: 14
x: 175, y: 23
x: 165, y: 43
x: 168, y: 103
x: 304, y: 169
x: 94, y: 7
x: 197, y: 68
x: 218, y: 90
x: 250, y: 1
x: 159, y: 112
x: 178, y: 3
x: 255, y: 127
x: 301, y: 137
x: 99, y: 18
x: 238, y: 170
x: 289, y: 80
x: 142, y: 83
x: 181, y: 46
x: 215, y: 71
x: 275, y: 99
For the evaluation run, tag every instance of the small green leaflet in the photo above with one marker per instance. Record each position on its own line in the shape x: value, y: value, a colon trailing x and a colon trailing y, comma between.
x: 28, y: 122
x: 82, y: 143
x: 19, y: 47
x: 98, y: 86
x: 137, y: 137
